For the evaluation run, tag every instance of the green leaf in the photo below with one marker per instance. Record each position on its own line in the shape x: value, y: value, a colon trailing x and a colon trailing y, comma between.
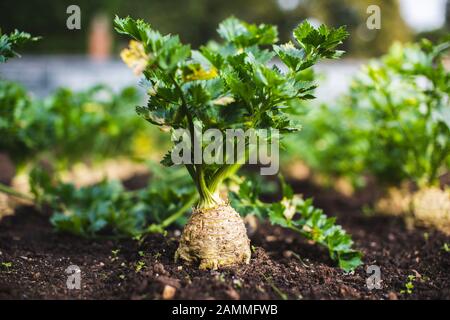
x: 320, y: 42
x: 10, y: 43
x: 291, y: 56
x: 243, y: 34
x: 302, y: 31
x: 301, y: 216
x: 166, y: 52
x: 349, y: 261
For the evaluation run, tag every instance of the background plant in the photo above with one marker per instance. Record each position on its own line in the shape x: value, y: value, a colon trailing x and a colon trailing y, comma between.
x: 68, y: 126
x: 230, y: 85
x: 226, y: 85
x: 393, y: 124
x: 108, y: 209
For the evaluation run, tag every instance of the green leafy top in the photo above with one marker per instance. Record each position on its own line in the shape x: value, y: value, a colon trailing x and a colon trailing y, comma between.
x: 226, y: 85
x: 229, y: 84
x: 9, y: 44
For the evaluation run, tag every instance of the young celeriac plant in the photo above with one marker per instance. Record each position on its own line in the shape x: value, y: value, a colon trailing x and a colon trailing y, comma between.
x: 223, y: 86
x: 404, y: 99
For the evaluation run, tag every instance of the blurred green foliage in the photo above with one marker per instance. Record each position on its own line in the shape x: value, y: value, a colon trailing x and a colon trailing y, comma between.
x: 196, y: 20
x: 331, y: 143
x: 394, y: 123
x: 10, y: 42
x: 68, y: 126
x: 108, y: 209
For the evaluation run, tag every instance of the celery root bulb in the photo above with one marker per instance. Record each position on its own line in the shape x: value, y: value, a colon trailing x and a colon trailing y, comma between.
x: 214, y: 237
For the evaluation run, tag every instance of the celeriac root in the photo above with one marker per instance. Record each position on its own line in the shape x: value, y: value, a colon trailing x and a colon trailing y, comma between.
x: 429, y: 206
x: 396, y: 202
x: 214, y: 238
x: 6, y: 207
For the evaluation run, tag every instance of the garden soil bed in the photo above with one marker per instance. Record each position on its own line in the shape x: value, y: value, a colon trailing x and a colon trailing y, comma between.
x: 283, y: 265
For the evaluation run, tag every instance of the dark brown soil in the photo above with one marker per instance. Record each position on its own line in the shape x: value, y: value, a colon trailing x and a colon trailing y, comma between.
x: 283, y: 264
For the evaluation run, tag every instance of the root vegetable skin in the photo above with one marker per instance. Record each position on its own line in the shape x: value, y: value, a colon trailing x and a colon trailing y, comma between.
x: 214, y: 237
x: 429, y: 206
